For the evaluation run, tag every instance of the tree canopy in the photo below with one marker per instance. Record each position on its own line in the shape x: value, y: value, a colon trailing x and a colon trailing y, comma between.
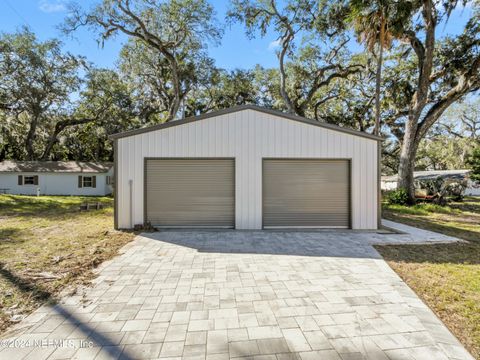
x: 176, y: 31
x: 36, y: 83
x: 312, y: 53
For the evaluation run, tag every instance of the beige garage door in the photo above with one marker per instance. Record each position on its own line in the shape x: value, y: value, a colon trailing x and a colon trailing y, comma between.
x: 190, y: 192
x: 306, y: 193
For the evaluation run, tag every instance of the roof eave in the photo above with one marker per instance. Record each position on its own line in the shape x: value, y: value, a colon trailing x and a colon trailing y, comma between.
x: 53, y: 172
x: 240, y: 108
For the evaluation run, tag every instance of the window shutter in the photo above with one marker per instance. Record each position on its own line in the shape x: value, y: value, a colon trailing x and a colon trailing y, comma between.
x: 94, y: 181
x: 80, y: 179
x: 35, y: 180
x: 20, y: 179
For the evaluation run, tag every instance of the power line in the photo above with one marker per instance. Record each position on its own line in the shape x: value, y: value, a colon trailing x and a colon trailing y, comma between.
x: 18, y: 14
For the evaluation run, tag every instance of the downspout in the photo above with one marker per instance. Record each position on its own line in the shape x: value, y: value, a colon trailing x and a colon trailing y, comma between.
x: 130, y: 188
x: 379, y: 188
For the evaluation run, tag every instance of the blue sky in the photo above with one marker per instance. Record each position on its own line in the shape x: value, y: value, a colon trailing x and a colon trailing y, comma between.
x: 235, y: 50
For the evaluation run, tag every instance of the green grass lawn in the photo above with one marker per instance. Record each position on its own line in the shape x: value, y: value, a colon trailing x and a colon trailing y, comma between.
x: 47, y: 244
x: 445, y: 276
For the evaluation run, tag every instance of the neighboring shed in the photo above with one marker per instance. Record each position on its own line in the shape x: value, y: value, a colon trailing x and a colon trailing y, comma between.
x: 56, y: 178
x: 247, y: 168
x: 473, y: 188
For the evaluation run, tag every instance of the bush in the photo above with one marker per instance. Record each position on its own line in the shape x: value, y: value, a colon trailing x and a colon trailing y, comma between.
x: 474, y: 162
x: 398, y: 197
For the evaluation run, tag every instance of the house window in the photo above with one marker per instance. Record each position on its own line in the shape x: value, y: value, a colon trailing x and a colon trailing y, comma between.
x: 109, y: 180
x: 87, y: 181
x: 29, y: 180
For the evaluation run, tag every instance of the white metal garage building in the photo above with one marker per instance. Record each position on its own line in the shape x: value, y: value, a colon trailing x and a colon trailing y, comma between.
x: 247, y: 168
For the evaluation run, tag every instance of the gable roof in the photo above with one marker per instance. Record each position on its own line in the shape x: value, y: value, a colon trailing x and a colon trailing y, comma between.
x: 241, y: 108
x: 55, y: 166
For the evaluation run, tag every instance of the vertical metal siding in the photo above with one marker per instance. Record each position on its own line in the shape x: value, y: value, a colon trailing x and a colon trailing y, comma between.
x: 248, y: 136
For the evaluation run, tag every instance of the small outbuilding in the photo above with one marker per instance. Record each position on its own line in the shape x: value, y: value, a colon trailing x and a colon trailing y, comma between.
x: 56, y: 178
x: 247, y: 167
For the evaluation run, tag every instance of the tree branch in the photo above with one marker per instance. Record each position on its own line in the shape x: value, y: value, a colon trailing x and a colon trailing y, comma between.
x: 59, y: 127
x: 468, y: 82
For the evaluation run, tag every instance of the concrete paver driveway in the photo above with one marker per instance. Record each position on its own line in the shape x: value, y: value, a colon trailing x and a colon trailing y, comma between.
x: 233, y: 294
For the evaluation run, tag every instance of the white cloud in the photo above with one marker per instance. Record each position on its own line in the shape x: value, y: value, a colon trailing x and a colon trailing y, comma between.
x: 52, y: 6
x: 274, y: 45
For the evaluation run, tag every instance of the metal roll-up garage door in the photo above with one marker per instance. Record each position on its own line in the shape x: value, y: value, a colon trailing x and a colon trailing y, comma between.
x: 306, y: 193
x: 190, y: 192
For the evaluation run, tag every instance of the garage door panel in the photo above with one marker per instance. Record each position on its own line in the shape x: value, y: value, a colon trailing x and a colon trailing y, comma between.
x: 190, y: 192
x: 306, y: 193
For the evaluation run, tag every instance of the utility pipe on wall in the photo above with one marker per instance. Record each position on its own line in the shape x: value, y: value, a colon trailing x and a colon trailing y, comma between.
x: 130, y: 188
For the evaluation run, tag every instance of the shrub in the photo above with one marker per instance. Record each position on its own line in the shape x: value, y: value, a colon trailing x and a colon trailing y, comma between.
x: 398, y: 197
x: 474, y: 162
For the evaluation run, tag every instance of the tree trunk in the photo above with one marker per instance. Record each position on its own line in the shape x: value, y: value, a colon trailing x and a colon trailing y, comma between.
x: 175, y: 105
x: 413, y: 134
x: 416, y: 131
x: 283, y: 76
x: 3, y: 153
x: 50, y: 143
x: 59, y: 127
x: 31, y: 138
x: 407, y: 159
